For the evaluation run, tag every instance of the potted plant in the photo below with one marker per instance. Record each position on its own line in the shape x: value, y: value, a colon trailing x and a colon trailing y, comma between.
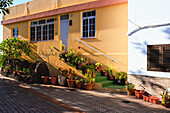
x: 26, y: 77
x: 19, y: 71
x: 111, y: 73
x: 139, y: 93
x: 89, y: 80
x: 105, y: 72
x: 165, y: 98
x: 7, y: 69
x: 121, y: 77
x: 53, y: 79
x: 79, y: 82
x: 45, y: 79
x: 62, y: 76
x: 155, y: 100
x: 130, y: 89
x: 98, y: 66
x: 71, y: 78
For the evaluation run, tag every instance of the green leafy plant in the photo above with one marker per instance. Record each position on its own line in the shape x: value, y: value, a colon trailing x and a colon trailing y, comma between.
x: 98, y: 64
x: 64, y: 72
x: 131, y: 86
x: 13, y: 48
x: 63, y: 47
x: 7, y: 67
x: 17, y: 68
x: 79, y: 80
x: 89, y: 79
x: 121, y: 75
x: 73, y: 57
x: 165, y: 98
x: 25, y: 71
x: 111, y: 70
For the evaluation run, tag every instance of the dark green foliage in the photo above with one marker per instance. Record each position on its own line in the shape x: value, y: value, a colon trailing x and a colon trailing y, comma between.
x: 4, y: 4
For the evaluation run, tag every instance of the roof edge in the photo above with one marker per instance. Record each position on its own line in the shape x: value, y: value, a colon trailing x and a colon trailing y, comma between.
x: 79, y: 7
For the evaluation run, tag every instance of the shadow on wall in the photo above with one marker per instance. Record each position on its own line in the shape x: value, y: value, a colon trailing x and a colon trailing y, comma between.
x: 146, y: 81
x: 37, y: 56
x: 167, y: 31
x: 141, y: 46
x: 94, y: 55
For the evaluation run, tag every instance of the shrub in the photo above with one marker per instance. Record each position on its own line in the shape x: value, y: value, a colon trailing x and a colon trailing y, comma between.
x: 121, y: 75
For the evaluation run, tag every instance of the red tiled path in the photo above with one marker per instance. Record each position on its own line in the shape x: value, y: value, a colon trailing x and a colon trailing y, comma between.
x: 14, y: 98
x: 92, y: 101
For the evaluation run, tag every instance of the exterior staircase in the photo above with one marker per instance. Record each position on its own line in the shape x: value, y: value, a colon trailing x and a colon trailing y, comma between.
x: 102, y: 83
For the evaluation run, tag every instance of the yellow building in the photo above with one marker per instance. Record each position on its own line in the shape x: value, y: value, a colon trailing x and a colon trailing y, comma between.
x: 101, y: 24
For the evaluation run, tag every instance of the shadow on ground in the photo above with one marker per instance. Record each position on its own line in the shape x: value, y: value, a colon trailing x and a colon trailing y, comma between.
x: 99, y: 102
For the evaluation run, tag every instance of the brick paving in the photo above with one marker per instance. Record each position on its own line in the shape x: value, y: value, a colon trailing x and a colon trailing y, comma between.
x: 14, y: 99
x: 99, y: 102
x: 95, y: 101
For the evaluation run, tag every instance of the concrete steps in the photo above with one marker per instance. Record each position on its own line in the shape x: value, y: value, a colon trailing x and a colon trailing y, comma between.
x: 102, y: 83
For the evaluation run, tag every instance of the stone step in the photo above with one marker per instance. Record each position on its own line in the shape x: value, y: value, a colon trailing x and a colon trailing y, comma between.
x: 106, y: 83
x: 115, y: 86
x: 98, y: 75
x: 99, y: 79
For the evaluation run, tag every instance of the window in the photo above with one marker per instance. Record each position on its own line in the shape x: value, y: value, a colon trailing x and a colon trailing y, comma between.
x: 88, y: 24
x: 159, y: 58
x: 64, y: 17
x: 42, y: 30
x: 15, y: 33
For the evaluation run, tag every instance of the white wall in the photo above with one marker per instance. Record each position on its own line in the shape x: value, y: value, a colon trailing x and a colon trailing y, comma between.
x: 144, y: 13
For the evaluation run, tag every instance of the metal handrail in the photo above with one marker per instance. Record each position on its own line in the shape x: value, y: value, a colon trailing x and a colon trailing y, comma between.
x: 97, y: 50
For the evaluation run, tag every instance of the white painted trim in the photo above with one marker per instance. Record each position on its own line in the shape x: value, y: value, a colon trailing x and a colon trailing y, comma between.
x: 82, y: 18
x: 41, y: 30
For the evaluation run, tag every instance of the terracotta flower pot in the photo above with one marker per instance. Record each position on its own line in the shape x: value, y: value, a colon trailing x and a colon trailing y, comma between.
x: 89, y: 86
x: 130, y: 91
x: 147, y: 98
x: 20, y: 72
x: 150, y: 99
x: 155, y: 100
x: 53, y: 80
x: 105, y: 73
x: 79, y: 85
x: 139, y: 93
x: 45, y: 79
x: 70, y: 82
x: 144, y: 97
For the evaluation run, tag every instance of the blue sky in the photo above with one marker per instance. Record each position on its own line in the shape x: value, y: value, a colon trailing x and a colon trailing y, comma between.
x: 15, y: 2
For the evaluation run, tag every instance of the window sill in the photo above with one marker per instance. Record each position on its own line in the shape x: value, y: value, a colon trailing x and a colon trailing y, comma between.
x: 41, y: 41
x: 88, y: 38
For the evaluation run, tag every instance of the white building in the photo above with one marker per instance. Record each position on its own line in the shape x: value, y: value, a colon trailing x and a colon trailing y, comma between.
x: 149, y: 44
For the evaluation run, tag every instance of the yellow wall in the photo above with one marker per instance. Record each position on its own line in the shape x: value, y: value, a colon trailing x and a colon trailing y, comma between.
x: 41, y: 5
x: 111, y: 29
x: 37, y: 6
x: 64, y: 3
x: 22, y: 26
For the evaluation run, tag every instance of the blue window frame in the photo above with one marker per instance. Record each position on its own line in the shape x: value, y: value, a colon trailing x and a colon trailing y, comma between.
x: 15, y: 32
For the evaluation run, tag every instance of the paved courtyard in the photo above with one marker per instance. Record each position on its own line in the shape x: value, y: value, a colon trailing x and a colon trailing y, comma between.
x: 15, y: 98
